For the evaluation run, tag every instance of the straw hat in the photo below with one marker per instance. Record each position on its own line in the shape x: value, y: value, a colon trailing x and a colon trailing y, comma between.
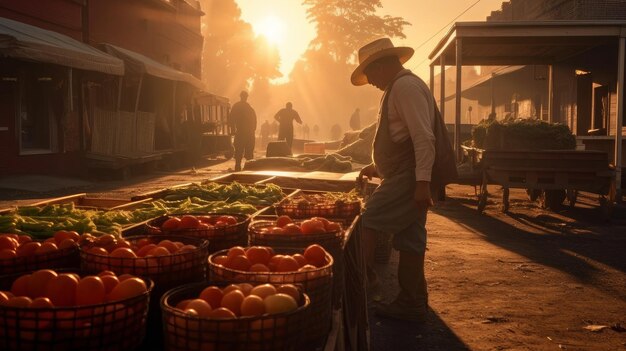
x: 375, y: 50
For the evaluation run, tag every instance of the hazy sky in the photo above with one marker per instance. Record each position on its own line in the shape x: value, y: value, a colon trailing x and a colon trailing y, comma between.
x: 285, y: 23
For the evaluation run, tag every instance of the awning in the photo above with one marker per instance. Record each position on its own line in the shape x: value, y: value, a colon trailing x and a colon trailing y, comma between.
x: 137, y: 63
x: 486, y: 78
x: 23, y: 41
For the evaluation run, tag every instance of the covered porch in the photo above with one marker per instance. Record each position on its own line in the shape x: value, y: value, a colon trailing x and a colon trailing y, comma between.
x: 572, y: 51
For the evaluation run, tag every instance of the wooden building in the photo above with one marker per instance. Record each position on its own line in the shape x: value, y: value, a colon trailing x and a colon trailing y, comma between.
x: 585, y: 78
x: 139, y: 113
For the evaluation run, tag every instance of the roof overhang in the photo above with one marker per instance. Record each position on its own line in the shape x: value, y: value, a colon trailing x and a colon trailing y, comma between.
x: 523, y: 43
x: 25, y: 42
x: 139, y: 64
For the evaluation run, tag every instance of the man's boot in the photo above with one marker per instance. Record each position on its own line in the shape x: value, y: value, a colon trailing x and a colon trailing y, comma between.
x: 237, y: 165
x: 412, y: 301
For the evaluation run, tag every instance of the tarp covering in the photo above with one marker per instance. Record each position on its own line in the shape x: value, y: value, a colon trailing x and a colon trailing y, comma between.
x: 139, y: 64
x: 23, y: 41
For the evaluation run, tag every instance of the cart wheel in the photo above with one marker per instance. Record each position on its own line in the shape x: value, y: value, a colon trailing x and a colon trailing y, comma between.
x: 572, y: 196
x: 533, y: 194
x: 607, y: 203
x: 482, y: 202
x: 505, y: 200
x: 553, y: 199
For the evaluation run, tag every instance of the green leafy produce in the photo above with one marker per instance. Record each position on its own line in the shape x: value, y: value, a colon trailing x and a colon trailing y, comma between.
x: 522, y: 134
x: 234, y: 192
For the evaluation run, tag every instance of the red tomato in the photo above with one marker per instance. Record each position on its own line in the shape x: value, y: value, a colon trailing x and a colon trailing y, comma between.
x: 313, y: 226
x: 229, y: 220
x: 240, y: 263
x: 283, y: 221
x: 277, y: 231
x: 7, y: 242
x: 315, y: 255
x: 258, y: 254
x: 292, y: 229
x: 287, y: 264
x: 171, y: 224
x: 206, y: 219
x: 189, y: 222
x: 324, y: 221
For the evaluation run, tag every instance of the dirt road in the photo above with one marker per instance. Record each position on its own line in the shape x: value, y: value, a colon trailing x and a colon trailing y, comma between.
x: 526, y: 280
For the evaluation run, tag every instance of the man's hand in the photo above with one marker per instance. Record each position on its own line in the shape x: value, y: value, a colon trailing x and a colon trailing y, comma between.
x: 368, y: 171
x: 422, y: 197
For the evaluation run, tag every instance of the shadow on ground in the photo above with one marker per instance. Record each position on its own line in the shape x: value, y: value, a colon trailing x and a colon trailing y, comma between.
x: 573, y: 241
x: 434, y: 335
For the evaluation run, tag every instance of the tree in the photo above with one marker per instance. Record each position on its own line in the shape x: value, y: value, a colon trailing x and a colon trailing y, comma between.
x: 343, y: 25
x: 234, y: 58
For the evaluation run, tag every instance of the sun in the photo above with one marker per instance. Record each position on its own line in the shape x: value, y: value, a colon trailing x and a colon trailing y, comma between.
x: 272, y: 28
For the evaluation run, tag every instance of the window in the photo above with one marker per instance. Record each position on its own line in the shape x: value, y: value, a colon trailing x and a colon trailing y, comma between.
x: 42, y: 99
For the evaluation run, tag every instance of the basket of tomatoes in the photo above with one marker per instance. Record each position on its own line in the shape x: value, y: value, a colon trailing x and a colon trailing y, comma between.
x: 222, y: 230
x: 285, y: 232
x: 322, y: 204
x: 310, y: 268
x: 49, y: 310
x: 19, y: 253
x: 234, y: 317
x: 169, y: 261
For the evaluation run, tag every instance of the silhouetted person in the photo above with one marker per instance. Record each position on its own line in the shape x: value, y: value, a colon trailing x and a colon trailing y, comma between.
x: 243, y: 122
x: 335, y: 132
x: 305, y: 131
x: 265, y: 132
x: 285, y: 118
x: 273, y: 129
x: 355, y: 120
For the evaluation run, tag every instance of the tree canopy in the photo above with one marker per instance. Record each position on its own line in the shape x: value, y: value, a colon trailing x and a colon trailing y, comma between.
x: 343, y: 25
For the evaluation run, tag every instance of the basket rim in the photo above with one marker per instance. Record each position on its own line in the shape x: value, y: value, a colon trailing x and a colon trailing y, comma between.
x: 149, y: 285
x: 165, y: 306
x: 328, y: 265
x: 204, y: 244
x: 151, y: 223
x: 254, y: 226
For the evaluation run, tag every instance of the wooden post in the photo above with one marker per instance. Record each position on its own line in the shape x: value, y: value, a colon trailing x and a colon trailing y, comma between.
x: 172, y: 129
x: 493, y: 94
x: 70, y: 89
x: 457, y: 119
x: 138, y: 94
x: 619, y: 123
x: 442, y: 88
x: 550, y: 93
x: 432, y: 79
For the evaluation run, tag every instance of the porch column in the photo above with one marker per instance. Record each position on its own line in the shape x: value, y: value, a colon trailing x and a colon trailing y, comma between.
x: 493, y: 92
x: 457, y: 119
x: 619, y: 121
x: 550, y: 94
x: 432, y: 79
x: 442, y: 87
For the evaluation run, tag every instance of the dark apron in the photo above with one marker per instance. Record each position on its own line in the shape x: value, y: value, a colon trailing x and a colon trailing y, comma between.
x: 391, y: 207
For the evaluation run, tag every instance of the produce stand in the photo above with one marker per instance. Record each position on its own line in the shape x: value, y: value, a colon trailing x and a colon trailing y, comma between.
x: 348, y: 323
x: 550, y: 175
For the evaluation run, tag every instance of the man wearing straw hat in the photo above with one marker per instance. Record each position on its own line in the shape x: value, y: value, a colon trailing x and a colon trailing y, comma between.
x: 403, y: 154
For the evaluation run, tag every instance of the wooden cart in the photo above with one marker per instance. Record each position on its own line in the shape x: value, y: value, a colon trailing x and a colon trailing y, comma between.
x: 550, y: 176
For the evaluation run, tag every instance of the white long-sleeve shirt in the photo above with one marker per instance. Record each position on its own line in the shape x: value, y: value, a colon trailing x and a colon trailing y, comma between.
x: 411, y: 113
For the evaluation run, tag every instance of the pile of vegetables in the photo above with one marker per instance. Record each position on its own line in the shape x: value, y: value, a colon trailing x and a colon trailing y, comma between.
x: 42, y: 222
x: 522, y: 134
x: 229, y: 193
